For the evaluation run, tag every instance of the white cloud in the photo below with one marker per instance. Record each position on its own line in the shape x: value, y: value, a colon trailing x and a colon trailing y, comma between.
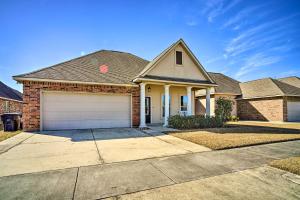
x: 239, y: 16
x: 192, y: 23
x: 270, y: 35
x: 82, y: 53
x: 214, y: 8
x: 256, y: 61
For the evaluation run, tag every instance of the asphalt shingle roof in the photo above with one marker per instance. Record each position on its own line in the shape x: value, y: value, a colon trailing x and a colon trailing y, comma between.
x: 225, y: 84
x: 292, y: 80
x: 122, y: 68
x: 267, y: 87
x: 9, y: 93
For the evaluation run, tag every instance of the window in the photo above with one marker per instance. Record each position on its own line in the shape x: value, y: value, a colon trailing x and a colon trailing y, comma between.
x: 163, y: 104
x: 6, y: 106
x: 183, y: 103
x: 178, y: 58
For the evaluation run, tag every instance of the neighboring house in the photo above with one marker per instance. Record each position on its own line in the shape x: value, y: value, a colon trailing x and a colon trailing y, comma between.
x: 113, y: 89
x: 270, y: 99
x: 227, y: 88
x: 10, y: 100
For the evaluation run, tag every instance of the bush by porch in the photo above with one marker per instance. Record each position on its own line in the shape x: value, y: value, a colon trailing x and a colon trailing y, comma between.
x: 194, y: 122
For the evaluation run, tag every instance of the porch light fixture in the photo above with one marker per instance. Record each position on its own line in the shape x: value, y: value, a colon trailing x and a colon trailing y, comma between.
x: 149, y: 89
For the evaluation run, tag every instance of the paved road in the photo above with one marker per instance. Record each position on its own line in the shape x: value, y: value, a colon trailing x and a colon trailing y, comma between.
x: 209, y: 175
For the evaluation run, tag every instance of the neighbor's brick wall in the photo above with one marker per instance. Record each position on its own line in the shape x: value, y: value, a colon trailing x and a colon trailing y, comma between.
x: 14, y: 106
x: 264, y: 109
x: 31, y: 98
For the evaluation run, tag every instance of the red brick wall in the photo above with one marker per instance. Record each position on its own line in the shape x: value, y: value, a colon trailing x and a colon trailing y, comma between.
x: 264, y: 109
x: 31, y: 98
x: 14, y: 106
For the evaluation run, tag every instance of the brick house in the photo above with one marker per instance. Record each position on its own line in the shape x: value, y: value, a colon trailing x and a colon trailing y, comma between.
x: 270, y: 99
x: 263, y: 99
x: 113, y: 89
x: 10, y: 100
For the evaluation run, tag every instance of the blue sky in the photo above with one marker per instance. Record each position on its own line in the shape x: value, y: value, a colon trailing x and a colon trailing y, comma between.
x: 245, y: 39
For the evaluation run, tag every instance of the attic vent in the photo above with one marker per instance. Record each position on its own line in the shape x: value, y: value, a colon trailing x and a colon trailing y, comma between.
x: 178, y: 58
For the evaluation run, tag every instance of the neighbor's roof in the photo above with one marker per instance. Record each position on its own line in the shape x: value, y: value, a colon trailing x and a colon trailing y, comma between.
x: 292, y: 80
x: 122, y: 68
x: 225, y: 84
x: 267, y: 87
x: 9, y: 93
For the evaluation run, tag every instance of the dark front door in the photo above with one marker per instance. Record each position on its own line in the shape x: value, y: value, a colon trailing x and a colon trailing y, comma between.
x: 148, y: 109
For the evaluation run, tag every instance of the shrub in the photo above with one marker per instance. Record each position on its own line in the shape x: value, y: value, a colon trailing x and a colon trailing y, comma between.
x: 224, y: 108
x: 233, y: 118
x: 196, y: 121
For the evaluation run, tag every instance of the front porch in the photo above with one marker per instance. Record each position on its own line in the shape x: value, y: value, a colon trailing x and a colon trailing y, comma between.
x: 160, y: 100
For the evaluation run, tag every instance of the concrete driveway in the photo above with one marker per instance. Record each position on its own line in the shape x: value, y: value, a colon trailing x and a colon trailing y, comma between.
x: 51, y: 150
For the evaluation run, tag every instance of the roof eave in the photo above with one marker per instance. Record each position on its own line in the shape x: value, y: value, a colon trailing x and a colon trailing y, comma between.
x: 138, y: 80
x: 22, y: 79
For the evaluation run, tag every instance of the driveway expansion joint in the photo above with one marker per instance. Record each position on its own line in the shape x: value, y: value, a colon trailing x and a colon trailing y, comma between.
x: 100, y: 157
x: 162, y: 172
x: 76, y: 179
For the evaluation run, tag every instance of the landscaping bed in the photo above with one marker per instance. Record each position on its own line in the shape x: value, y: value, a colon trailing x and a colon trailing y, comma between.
x: 290, y: 164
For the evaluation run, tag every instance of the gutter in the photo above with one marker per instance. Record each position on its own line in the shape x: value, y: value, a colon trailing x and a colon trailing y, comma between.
x: 8, y: 99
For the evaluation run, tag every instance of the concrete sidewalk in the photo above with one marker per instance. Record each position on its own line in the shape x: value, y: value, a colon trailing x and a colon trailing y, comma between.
x: 175, y: 173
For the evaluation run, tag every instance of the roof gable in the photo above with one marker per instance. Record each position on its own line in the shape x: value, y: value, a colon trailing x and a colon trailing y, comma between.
x: 164, y: 64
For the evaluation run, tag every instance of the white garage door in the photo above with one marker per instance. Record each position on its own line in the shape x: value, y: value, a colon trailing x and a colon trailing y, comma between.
x: 293, y: 111
x: 82, y: 111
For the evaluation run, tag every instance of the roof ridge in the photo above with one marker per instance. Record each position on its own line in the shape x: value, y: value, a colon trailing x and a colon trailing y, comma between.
x: 80, y: 57
x: 256, y: 80
x: 274, y: 82
x: 225, y: 76
x: 289, y: 77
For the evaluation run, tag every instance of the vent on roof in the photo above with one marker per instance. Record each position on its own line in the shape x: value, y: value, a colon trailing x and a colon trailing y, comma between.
x: 103, y: 69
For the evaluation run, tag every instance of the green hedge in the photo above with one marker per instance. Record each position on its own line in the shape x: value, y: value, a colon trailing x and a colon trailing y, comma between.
x: 195, y: 121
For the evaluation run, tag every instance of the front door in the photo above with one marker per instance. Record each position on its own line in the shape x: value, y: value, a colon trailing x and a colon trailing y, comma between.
x: 148, y: 109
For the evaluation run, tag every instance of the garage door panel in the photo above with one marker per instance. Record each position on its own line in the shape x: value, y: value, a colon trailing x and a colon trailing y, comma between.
x: 81, y: 110
x: 85, y: 116
x: 293, y: 111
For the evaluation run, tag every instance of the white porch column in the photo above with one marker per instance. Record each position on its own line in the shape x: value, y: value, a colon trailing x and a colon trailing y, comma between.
x: 207, y: 101
x: 189, y: 100
x: 167, y: 104
x: 142, y: 105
